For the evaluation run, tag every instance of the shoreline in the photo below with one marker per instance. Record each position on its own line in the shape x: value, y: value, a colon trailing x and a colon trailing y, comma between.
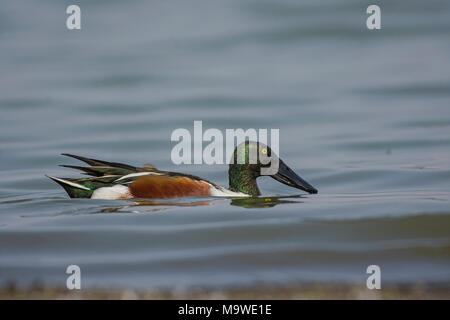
x: 294, y: 292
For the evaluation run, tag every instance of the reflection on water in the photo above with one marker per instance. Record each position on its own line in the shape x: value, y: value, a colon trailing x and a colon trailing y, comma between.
x: 263, y: 202
x: 249, y: 203
x: 154, y: 203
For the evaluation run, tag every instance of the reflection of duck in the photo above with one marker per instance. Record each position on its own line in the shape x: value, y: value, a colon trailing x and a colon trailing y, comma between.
x: 113, y: 180
x: 160, y: 205
x: 262, y: 202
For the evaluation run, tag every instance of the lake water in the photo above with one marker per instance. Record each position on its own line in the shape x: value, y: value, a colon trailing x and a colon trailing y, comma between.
x: 364, y: 116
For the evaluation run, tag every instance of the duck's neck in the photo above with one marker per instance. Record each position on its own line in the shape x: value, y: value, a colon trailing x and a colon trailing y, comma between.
x: 242, y: 180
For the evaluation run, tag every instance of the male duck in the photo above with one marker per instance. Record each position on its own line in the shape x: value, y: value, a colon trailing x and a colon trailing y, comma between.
x: 111, y: 180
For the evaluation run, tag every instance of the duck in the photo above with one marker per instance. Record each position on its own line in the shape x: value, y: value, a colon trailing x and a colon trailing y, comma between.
x: 119, y: 181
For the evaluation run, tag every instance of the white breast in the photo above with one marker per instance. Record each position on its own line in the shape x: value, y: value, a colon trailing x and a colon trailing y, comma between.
x: 222, y: 192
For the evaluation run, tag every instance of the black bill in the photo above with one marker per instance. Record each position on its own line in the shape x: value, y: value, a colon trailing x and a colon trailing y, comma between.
x: 288, y: 177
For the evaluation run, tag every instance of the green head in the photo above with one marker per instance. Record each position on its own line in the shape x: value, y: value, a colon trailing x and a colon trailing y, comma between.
x: 253, y: 159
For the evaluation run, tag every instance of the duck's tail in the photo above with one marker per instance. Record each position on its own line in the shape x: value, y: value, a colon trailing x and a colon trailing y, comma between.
x: 102, y: 174
x: 73, y: 188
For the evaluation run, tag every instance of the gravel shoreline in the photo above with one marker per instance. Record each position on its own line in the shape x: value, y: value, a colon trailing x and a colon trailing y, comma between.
x: 296, y: 292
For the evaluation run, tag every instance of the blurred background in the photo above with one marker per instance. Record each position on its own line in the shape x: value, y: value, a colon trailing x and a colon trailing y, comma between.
x: 364, y: 115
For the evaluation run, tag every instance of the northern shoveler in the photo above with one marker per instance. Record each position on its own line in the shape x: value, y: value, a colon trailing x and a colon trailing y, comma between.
x: 111, y: 180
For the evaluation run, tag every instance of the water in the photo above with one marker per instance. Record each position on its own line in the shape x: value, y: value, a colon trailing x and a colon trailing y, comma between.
x: 364, y: 116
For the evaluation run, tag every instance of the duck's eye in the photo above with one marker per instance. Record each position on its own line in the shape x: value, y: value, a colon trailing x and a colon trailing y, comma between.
x: 264, y: 151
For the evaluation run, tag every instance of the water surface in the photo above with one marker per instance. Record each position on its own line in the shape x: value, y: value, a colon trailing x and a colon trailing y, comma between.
x: 363, y: 115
